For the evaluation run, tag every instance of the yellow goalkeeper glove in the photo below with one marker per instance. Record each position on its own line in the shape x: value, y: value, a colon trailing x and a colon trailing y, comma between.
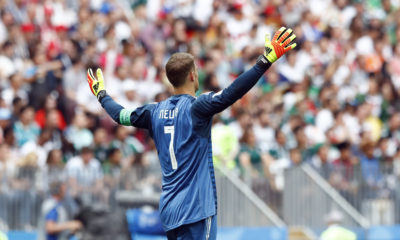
x: 96, y: 85
x: 280, y: 44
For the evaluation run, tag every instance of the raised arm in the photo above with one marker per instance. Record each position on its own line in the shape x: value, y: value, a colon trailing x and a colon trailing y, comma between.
x: 211, y: 103
x: 140, y: 117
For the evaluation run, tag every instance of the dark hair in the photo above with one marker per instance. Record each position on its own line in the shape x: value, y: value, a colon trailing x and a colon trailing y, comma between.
x: 112, y: 151
x: 246, y: 135
x: 24, y: 108
x: 55, y: 187
x: 49, y: 159
x: 178, y: 67
x: 86, y: 150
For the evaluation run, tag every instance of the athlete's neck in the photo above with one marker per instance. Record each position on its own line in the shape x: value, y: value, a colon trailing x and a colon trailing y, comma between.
x: 185, y: 90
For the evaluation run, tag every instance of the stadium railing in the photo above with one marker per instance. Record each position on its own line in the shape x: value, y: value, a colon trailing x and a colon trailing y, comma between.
x: 308, y: 198
x: 238, y: 205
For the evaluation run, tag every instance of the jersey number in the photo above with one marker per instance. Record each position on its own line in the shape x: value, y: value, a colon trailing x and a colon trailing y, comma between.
x: 171, y: 130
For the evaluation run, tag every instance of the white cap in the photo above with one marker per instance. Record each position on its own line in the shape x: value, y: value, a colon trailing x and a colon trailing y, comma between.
x: 129, y: 85
x: 334, y: 216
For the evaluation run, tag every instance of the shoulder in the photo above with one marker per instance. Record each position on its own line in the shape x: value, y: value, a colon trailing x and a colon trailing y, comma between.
x: 74, y: 162
x: 94, y: 163
x: 48, y: 205
x: 149, y: 107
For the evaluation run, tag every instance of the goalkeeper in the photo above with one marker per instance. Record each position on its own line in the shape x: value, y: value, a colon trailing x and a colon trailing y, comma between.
x: 181, y: 129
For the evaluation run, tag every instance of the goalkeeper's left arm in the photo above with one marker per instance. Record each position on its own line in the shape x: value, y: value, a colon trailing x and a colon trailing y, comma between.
x: 209, y: 104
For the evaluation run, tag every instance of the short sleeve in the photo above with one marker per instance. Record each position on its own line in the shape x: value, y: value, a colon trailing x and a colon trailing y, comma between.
x: 52, y: 215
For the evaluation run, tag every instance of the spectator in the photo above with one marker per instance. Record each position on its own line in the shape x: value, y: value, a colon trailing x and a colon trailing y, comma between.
x: 8, y: 171
x: 265, y: 134
x: 84, y: 173
x: 112, y: 167
x: 26, y: 190
x: 41, y: 147
x: 49, y: 112
x: 78, y: 134
x: 3, y: 236
x: 370, y: 169
x: 295, y: 157
x: 113, y: 174
x: 225, y: 145
x: 250, y: 160
x: 54, y: 223
x: 321, y: 161
x: 243, y: 122
x: 342, y: 178
x: 54, y: 169
x: 335, y: 231
x: 26, y: 128
x: 100, y: 144
x: 129, y: 98
x: 15, y: 90
x: 129, y: 145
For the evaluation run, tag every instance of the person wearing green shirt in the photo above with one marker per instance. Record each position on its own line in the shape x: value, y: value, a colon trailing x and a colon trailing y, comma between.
x: 225, y: 145
x: 334, y: 230
x: 3, y: 236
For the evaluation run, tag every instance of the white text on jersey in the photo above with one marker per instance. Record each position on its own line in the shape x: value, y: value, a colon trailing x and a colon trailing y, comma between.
x: 168, y: 114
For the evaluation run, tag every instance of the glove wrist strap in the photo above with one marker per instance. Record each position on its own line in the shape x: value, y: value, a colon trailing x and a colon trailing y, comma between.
x: 101, y: 94
x: 263, y: 62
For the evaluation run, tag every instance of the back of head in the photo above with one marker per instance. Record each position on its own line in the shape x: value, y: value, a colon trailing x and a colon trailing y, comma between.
x: 178, y: 67
x: 56, y: 188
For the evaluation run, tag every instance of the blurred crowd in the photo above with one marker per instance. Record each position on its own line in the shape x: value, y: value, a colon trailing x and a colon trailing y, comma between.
x: 330, y: 103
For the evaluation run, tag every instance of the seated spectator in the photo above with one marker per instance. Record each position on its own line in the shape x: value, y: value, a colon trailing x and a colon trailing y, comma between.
x: 370, y: 169
x: 100, y: 144
x: 8, y: 171
x: 15, y: 90
x: 295, y: 157
x: 343, y: 172
x: 54, y: 168
x: 3, y: 236
x: 320, y: 161
x: 112, y: 166
x: 265, y: 134
x: 112, y: 174
x: 243, y: 121
x: 129, y: 99
x: 334, y: 221
x: 78, y: 134
x: 26, y: 128
x: 54, y: 223
x: 27, y: 190
x: 84, y: 173
x: 50, y: 112
x: 280, y: 149
x: 129, y: 145
x: 250, y: 159
x: 40, y: 147
x: 225, y: 144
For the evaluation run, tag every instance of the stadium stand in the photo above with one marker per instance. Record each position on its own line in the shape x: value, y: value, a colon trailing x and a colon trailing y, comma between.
x: 332, y: 104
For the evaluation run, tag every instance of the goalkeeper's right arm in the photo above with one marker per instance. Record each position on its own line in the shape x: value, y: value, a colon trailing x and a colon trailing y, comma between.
x: 139, y: 117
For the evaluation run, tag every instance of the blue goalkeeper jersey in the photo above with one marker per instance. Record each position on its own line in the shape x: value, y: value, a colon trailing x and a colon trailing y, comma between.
x: 181, y: 129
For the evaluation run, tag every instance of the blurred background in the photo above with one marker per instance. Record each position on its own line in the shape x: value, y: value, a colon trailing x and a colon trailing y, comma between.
x: 315, y: 143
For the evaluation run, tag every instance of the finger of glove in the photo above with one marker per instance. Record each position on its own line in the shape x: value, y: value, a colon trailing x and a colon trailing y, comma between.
x: 289, y: 40
x: 99, y: 74
x: 291, y: 46
x: 267, y: 38
x: 91, y: 76
x: 90, y: 79
x: 285, y: 35
x: 278, y: 33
